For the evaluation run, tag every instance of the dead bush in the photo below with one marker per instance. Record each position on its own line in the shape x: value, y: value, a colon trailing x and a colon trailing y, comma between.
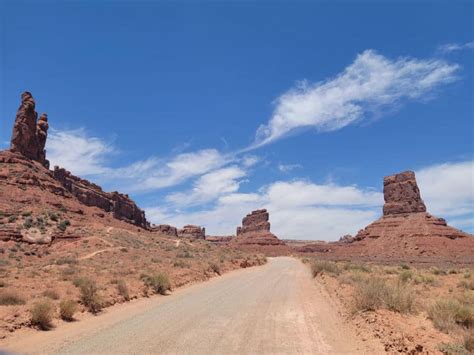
x: 53, y: 294
x: 318, y: 267
x: 67, y: 308
x: 122, y: 289
x: 159, y: 283
x: 42, y: 313
x: 370, y: 294
x: 90, y: 296
x: 446, y: 314
x: 10, y: 298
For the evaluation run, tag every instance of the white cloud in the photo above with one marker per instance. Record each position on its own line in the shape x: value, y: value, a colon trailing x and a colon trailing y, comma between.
x: 298, y: 210
x: 210, y: 186
x: 448, y: 189
x: 454, y: 47
x: 286, y: 168
x: 371, y: 82
x: 77, y: 152
x: 84, y: 155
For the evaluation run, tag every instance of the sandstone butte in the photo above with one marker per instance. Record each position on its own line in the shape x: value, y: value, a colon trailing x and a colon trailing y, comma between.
x: 255, y: 235
x: 27, y: 181
x: 404, y: 232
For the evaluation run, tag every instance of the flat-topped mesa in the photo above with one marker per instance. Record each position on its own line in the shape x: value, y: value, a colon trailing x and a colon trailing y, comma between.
x: 29, y: 134
x: 192, y: 231
x: 401, y: 194
x: 255, y: 221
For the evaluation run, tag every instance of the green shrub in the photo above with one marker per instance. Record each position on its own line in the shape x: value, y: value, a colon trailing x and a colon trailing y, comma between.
x: 64, y: 224
x: 67, y: 308
x: 26, y: 213
x: 122, y: 289
x: 42, y: 313
x: 89, y: 295
x: 159, y: 283
x: 53, y: 294
x: 28, y: 223
x: 405, y: 267
x: 53, y: 216
x: 318, y: 267
x: 12, y: 218
x: 10, y: 298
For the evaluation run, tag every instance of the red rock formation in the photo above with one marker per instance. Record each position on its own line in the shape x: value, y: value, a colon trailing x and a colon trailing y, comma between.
x: 191, y: 231
x: 255, y: 235
x: 121, y: 206
x: 29, y: 136
x: 401, y: 194
x: 165, y: 229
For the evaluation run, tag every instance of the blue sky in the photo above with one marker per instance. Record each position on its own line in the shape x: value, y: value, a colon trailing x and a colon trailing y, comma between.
x: 203, y: 111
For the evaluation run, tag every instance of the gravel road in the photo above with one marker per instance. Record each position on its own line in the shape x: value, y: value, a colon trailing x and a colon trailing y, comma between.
x: 275, y: 308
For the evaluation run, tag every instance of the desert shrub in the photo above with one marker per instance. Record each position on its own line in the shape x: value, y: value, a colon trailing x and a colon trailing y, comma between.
x: 26, y: 213
x: 318, y: 267
x: 438, y: 271
x: 42, y: 313
x: 390, y: 270
x: 452, y: 349
x: 90, y: 296
x: 467, y: 285
x: 10, y: 298
x: 400, y: 298
x: 159, y: 283
x: 180, y: 263
x: 67, y: 308
x: 50, y: 293
x: 468, y: 341
x: 79, y: 281
x: 446, y: 314
x: 184, y: 254
x: 66, y: 260
x: 351, y: 278
x: 405, y: 267
x: 215, y: 268
x: 12, y: 218
x: 405, y: 276
x: 370, y: 294
x: 64, y: 224
x: 122, y: 289
x: 357, y: 267
x: 53, y: 216
x: 28, y: 223
x: 424, y: 279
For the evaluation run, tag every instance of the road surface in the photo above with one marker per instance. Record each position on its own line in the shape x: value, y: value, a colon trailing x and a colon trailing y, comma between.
x: 275, y: 308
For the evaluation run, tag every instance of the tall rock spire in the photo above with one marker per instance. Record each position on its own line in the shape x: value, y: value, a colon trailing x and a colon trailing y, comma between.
x: 29, y: 135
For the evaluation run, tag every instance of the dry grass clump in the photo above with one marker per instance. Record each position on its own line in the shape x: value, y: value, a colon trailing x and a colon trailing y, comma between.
x: 405, y: 276
x: 319, y: 266
x: 446, y: 314
x: 159, y: 283
x: 466, y: 284
x: 10, y: 298
x: 374, y: 293
x: 215, y: 268
x: 67, y: 308
x: 89, y: 295
x: 122, y: 289
x: 42, y: 313
x: 50, y: 293
x: 359, y: 267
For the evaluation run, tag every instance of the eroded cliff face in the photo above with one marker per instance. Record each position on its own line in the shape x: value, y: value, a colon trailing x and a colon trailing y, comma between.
x: 29, y: 140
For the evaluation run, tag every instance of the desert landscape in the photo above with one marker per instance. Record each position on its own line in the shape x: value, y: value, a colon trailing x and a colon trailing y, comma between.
x: 236, y: 178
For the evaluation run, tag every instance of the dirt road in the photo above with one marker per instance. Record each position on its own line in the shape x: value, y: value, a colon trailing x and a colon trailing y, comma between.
x: 275, y: 308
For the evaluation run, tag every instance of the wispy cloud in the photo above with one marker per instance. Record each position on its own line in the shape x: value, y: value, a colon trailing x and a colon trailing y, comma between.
x: 455, y: 47
x: 286, y: 168
x: 209, y: 187
x: 370, y: 83
x: 75, y: 150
